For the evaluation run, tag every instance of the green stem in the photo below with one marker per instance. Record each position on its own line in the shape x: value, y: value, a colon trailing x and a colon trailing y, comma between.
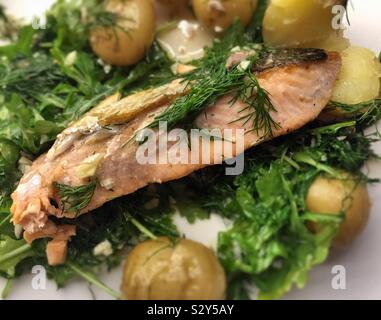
x: 15, y: 253
x: 7, y: 289
x: 5, y: 220
x: 291, y: 162
x: 334, y: 128
x: 307, y: 159
x: 143, y: 229
x: 93, y: 280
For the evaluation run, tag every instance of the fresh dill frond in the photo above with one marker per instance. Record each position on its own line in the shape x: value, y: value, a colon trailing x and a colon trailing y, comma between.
x: 100, y: 17
x: 31, y: 76
x: 74, y: 199
x: 212, y: 80
x: 257, y: 110
x: 357, y: 108
x: 366, y: 113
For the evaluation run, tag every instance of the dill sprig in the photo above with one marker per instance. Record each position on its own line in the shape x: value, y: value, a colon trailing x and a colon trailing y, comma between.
x: 257, y: 110
x: 366, y: 113
x: 212, y: 80
x: 74, y: 199
x: 100, y: 17
x: 30, y: 76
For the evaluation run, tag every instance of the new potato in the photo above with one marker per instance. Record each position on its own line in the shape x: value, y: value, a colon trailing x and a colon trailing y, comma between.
x: 293, y: 23
x: 164, y: 270
x: 218, y: 15
x: 333, y: 196
x: 127, y: 42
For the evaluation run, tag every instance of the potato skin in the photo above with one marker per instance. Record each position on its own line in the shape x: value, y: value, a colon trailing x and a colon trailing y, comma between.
x: 295, y: 23
x: 333, y: 196
x: 117, y: 47
x: 163, y: 270
x: 218, y: 15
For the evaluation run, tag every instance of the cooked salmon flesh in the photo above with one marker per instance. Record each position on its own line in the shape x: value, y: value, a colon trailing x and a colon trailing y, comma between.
x: 101, y: 147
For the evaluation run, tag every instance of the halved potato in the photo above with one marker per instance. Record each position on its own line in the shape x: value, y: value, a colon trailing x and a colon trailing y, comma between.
x: 186, y: 41
x: 359, y: 79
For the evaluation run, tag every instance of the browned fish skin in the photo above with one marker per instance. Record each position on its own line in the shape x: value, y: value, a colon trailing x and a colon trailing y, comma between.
x: 299, y: 93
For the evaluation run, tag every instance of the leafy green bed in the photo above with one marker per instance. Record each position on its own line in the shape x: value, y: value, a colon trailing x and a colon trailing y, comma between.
x: 50, y: 77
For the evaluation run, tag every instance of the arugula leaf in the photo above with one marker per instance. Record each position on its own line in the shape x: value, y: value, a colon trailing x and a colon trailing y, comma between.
x: 12, y: 252
x: 270, y: 244
x: 270, y: 241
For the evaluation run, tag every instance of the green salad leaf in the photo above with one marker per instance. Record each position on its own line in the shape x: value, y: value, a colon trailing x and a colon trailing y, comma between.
x: 270, y: 244
x: 12, y: 252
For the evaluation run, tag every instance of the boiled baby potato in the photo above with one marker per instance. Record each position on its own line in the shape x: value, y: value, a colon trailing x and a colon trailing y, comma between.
x: 359, y: 79
x: 293, y: 23
x: 127, y: 42
x: 218, y: 15
x: 173, y: 270
x: 334, y: 196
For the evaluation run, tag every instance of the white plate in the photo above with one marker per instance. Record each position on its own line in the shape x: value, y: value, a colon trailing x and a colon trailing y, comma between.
x: 362, y: 261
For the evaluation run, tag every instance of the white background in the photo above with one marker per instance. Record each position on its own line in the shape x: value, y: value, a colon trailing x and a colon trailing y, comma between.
x: 362, y: 260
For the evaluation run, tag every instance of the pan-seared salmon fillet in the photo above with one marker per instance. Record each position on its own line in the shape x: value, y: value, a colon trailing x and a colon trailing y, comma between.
x: 100, y: 147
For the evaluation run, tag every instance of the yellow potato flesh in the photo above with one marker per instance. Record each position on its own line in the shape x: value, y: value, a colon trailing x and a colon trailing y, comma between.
x: 359, y: 79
